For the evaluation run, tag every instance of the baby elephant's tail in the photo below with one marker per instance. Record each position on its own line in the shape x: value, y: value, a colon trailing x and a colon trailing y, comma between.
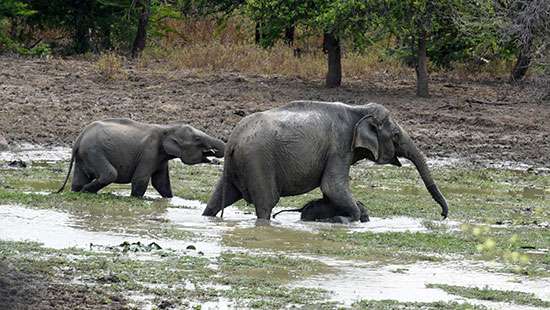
x: 289, y: 210
x: 68, y: 173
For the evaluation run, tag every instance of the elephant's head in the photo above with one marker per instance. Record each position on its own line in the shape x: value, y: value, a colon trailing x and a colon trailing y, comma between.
x: 191, y: 145
x: 385, y: 140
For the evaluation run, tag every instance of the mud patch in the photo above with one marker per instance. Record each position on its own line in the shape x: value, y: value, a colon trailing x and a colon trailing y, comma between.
x: 28, y: 289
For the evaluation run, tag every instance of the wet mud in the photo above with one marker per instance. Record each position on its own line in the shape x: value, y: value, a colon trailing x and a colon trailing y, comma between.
x: 48, y: 101
x: 28, y: 289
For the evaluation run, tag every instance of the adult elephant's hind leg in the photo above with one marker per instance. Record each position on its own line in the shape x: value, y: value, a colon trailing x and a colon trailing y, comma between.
x: 107, y: 174
x: 79, y: 178
x: 264, y: 195
x: 216, y: 201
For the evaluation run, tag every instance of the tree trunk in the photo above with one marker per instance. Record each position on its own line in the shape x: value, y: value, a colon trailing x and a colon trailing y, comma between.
x: 422, y: 66
x: 289, y: 35
x: 141, y: 35
x: 13, y: 28
x: 81, y: 39
x: 331, y: 45
x: 106, y: 43
x: 522, y: 63
x: 257, y: 34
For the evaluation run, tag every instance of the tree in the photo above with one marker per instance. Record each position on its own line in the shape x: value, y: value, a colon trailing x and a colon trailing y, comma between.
x: 415, y: 22
x: 528, y: 23
x: 336, y: 20
x: 12, y: 9
x: 141, y: 35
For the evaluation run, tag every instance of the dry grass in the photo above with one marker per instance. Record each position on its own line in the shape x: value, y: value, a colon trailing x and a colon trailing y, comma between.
x: 204, y: 45
x: 111, y: 66
x: 279, y: 60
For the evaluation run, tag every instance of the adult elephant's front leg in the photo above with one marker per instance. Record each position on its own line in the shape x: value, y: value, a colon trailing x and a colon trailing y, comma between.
x: 335, y: 186
x: 161, y: 181
x: 139, y: 186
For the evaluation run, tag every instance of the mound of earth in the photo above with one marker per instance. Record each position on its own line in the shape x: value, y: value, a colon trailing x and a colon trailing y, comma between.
x: 22, y: 290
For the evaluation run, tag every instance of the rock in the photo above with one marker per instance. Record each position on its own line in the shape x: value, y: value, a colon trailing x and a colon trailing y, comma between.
x: 239, y: 113
x: 191, y: 247
x: 17, y: 164
x: 165, y: 304
x: 3, y: 144
x: 109, y: 278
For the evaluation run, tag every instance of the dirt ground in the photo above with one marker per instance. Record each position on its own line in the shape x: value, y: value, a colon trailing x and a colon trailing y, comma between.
x: 48, y: 101
x: 30, y: 290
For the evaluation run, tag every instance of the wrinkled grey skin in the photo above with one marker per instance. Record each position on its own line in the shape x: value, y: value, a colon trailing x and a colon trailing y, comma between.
x: 295, y: 148
x: 126, y: 151
x: 322, y: 210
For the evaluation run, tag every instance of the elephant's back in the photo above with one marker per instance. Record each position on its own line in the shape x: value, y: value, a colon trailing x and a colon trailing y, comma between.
x: 119, y: 142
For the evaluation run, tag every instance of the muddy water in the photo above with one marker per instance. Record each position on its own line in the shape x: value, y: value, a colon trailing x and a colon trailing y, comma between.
x: 351, y: 282
x: 61, y: 230
x: 31, y: 152
x: 408, y: 282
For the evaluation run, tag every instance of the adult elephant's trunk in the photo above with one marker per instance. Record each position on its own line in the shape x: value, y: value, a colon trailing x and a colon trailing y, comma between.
x: 412, y: 153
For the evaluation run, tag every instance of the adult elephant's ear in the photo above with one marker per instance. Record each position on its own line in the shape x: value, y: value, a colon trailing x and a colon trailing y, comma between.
x: 171, y: 146
x: 365, y: 136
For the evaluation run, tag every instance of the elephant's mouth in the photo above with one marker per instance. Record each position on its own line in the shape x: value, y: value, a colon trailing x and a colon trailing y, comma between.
x: 392, y: 161
x: 206, y: 154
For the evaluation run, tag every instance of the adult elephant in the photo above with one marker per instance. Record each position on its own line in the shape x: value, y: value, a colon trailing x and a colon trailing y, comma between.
x: 121, y: 150
x: 306, y: 144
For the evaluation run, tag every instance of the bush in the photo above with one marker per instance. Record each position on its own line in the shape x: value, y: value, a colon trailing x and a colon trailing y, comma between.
x: 110, y: 66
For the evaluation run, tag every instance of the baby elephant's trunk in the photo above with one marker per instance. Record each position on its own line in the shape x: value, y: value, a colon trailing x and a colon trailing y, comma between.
x: 218, y: 147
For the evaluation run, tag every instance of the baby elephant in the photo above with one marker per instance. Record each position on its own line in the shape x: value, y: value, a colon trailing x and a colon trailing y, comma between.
x: 125, y: 151
x: 322, y: 210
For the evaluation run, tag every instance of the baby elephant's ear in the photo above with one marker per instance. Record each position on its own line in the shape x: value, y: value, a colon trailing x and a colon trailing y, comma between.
x: 171, y: 146
x: 365, y: 136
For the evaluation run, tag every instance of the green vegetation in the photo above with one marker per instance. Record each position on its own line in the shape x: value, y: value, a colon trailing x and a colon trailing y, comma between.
x: 515, y: 297
x: 392, y: 304
x: 452, y: 34
x: 501, y: 215
x: 177, y: 277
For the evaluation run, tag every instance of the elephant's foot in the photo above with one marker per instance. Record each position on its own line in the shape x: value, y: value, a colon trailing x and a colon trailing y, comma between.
x: 364, y: 213
x: 211, y: 210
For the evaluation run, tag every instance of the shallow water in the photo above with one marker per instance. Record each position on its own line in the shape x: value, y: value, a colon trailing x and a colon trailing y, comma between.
x: 352, y: 280
x: 60, y: 230
x: 32, y: 152
x: 407, y: 283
